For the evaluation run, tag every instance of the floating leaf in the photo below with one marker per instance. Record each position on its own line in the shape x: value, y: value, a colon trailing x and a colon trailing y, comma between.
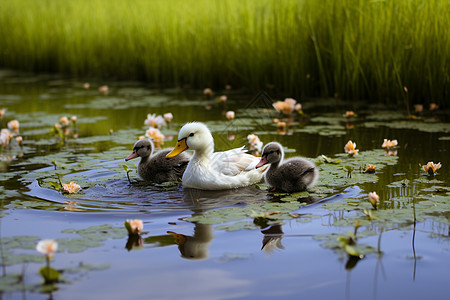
x: 49, y: 274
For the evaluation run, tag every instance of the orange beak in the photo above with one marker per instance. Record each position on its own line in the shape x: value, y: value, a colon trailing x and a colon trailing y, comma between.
x: 180, y: 147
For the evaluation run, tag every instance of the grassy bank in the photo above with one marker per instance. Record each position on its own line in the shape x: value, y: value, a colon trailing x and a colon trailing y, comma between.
x: 355, y: 49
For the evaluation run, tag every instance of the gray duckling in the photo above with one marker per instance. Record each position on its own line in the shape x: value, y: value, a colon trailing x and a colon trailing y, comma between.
x: 292, y: 175
x: 157, y: 168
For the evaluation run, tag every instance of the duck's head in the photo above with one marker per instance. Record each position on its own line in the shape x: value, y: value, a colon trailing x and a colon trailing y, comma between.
x: 193, y: 136
x: 142, y: 148
x: 272, y: 153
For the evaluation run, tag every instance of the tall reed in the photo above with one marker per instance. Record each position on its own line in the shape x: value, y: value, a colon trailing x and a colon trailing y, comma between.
x: 358, y: 49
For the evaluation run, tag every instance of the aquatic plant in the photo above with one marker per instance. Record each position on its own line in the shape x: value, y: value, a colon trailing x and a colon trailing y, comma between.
x: 370, y: 168
x: 373, y: 198
x: 13, y: 126
x: 208, y: 92
x: 349, y: 114
x: 389, y: 144
x: 168, y: 117
x: 104, y: 89
x: 156, y: 135
x: 134, y: 227
x: 431, y: 167
x: 287, y: 106
x: 70, y: 188
x: 154, y: 120
x: 48, y: 248
x: 230, y: 115
x: 350, y: 148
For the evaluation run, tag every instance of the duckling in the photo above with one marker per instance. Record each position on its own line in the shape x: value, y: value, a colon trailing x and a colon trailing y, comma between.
x: 292, y: 175
x: 157, y: 168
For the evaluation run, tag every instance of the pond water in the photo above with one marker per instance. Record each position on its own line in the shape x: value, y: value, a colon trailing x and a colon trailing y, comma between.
x: 246, y: 243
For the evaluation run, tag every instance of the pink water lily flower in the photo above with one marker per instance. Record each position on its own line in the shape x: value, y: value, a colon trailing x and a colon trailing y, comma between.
x: 154, y: 121
x: 47, y: 247
x: 350, y: 148
x: 71, y: 187
x: 208, y: 92
x: 431, y: 167
x: 168, y: 117
x: 156, y: 135
x: 349, y: 114
x: 287, y: 106
x: 389, y: 144
x: 5, y: 137
x: 104, y: 89
x: 370, y: 169
x: 230, y: 115
x: 64, y: 121
x: 134, y: 226
x: 373, y: 198
x: 13, y: 125
x: 223, y: 98
x: 19, y: 140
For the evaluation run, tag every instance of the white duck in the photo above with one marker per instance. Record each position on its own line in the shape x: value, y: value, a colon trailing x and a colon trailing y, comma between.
x: 209, y: 170
x: 292, y: 175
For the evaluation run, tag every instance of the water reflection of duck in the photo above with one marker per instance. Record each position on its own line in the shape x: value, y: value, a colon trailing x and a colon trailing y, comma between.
x: 201, y: 200
x: 292, y: 175
x: 196, y: 246
x: 272, y: 239
x: 157, y: 168
x: 214, y: 171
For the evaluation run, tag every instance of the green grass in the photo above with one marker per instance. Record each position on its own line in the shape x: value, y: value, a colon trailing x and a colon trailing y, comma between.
x: 354, y: 49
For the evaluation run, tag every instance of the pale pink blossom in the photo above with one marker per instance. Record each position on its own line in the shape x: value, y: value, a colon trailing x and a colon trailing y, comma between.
x: 431, y: 167
x: 104, y: 89
x: 208, y: 92
x: 373, y: 198
x: 349, y: 114
x: 64, y: 121
x: 154, y: 121
x: 71, y: 188
x: 418, y: 108
x: 19, y: 140
x: 370, y: 169
x: 47, y: 247
x: 286, y: 107
x: 13, y: 125
x: 5, y: 137
x: 230, y: 115
x: 134, y: 226
x: 350, y: 148
x: 156, y: 135
x: 168, y: 117
x: 389, y: 144
x: 433, y: 106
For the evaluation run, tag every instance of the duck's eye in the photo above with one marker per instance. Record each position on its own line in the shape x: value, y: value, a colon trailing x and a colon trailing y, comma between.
x: 192, y: 134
